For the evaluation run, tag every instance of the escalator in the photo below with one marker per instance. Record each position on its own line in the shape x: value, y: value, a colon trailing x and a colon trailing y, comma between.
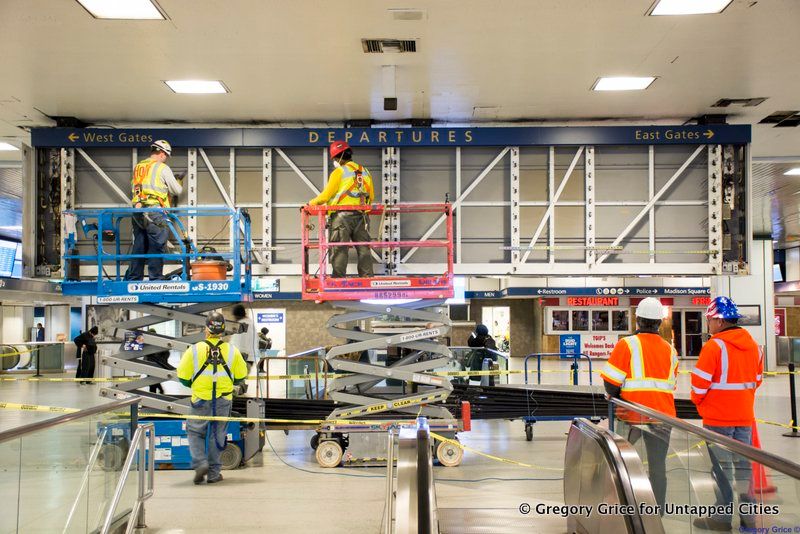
x: 602, y: 472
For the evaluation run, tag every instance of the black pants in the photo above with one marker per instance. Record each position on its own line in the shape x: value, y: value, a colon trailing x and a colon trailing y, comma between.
x: 656, y: 443
x: 86, y: 366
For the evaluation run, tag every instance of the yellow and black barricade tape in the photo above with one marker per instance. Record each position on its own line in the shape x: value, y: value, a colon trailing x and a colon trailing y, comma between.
x: 790, y: 426
x: 67, y: 379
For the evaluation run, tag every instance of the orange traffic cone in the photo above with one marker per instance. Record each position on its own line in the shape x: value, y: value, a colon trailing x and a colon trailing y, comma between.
x: 760, y: 482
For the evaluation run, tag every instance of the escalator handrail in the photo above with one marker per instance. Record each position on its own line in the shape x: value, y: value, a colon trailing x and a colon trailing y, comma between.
x: 760, y: 456
x: 627, y: 467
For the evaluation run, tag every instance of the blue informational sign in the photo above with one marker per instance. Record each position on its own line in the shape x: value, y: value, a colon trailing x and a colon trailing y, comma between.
x: 606, y: 291
x: 401, y: 137
x: 569, y: 344
x: 269, y: 318
x: 270, y: 295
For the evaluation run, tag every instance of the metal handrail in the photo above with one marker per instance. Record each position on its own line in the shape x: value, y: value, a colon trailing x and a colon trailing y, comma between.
x: 575, y: 360
x: 85, y: 479
x: 388, y: 515
x: 66, y: 418
x: 760, y: 456
x: 146, y: 430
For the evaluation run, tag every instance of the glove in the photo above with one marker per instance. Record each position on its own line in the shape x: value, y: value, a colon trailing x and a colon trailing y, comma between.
x: 180, y: 176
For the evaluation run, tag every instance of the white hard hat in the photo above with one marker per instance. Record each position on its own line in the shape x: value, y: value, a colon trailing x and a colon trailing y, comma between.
x: 650, y: 308
x: 163, y: 146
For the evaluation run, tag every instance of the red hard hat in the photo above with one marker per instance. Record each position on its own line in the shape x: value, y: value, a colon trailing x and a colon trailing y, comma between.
x: 337, y: 147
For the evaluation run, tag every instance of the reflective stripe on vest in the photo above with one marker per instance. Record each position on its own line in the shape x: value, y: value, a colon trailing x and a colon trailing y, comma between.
x: 723, y: 375
x: 147, y: 177
x: 209, y: 370
x: 348, y: 186
x: 638, y: 381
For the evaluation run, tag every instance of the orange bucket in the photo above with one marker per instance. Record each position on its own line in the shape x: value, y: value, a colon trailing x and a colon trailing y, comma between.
x: 209, y: 270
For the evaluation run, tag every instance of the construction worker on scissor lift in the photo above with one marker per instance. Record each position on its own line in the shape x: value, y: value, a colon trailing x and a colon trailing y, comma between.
x: 350, y: 184
x: 642, y: 369
x: 151, y: 186
x: 724, y: 382
x: 212, y: 368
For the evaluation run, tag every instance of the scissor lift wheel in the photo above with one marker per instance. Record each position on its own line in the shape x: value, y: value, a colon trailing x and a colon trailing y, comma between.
x: 230, y: 457
x: 448, y: 454
x: 329, y: 453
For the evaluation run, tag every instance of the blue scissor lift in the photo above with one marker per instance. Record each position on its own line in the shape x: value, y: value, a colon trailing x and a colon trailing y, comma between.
x: 94, y: 267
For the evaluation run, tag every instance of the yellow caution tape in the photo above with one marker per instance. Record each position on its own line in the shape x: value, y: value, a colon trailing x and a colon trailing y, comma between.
x: 36, y: 408
x: 461, y: 446
x: 17, y: 353
x: 790, y: 426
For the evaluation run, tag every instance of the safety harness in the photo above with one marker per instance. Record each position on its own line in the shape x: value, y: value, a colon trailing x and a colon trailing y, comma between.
x: 214, y: 358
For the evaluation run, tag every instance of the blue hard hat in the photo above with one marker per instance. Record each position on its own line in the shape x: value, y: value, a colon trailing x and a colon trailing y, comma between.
x: 723, y: 308
x: 481, y: 330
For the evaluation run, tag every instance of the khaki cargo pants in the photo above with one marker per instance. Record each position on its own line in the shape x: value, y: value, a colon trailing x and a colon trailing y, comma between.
x: 349, y: 226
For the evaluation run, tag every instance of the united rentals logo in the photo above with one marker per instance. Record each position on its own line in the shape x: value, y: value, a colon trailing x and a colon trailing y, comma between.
x: 159, y: 287
x: 390, y: 283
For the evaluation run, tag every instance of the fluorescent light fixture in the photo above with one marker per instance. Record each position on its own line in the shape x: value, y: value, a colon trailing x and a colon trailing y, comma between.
x: 689, y: 7
x: 122, y: 9
x: 623, y: 83
x: 790, y: 172
x: 6, y: 146
x: 197, y: 87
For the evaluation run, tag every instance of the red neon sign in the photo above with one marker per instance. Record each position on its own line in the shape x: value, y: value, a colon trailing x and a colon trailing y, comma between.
x: 701, y: 301
x: 593, y: 301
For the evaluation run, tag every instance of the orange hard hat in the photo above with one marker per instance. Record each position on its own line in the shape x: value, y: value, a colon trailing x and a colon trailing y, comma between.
x: 337, y: 147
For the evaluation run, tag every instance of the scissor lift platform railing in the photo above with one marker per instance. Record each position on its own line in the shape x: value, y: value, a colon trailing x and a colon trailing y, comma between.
x: 321, y: 286
x: 108, y: 283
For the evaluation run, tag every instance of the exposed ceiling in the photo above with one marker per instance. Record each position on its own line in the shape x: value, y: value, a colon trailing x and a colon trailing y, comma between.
x: 476, y: 61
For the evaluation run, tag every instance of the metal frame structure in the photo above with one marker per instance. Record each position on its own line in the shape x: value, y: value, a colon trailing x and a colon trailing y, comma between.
x: 520, y: 237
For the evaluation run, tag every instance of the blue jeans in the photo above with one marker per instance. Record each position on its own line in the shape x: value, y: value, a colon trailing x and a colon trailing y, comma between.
x: 729, y: 469
x: 197, y: 430
x: 150, y: 236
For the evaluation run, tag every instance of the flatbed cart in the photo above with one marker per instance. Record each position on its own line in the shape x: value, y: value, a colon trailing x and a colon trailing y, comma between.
x: 532, y: 419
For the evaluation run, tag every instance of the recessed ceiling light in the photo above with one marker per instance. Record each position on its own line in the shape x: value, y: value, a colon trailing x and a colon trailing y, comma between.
x: 689, y: 7
x: 793, y: 172
x: 122, y: 9
x: 197, y: 86
x: 6, y: 146
x: 623, y: 83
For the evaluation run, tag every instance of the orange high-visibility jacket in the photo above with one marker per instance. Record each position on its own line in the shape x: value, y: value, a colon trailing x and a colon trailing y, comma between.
x: 644, y: 366
x: 725, y: 379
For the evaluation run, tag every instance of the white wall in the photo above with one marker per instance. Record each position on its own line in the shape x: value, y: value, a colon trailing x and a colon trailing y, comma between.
x: 792, y: 264
x: 754, y: 289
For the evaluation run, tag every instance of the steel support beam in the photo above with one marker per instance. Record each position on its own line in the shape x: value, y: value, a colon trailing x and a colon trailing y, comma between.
x: 458, y: 211
x: 191, y: 193
x: 549, y: 215
x: 715, y: 207
x: 114, y: 187
x: 590, y: 214
x: 652, y: 201
x: 651, y: 190
x: 297, y: 171
x: 266, y: 205
x: 514, y: 187
x: 475, y: 183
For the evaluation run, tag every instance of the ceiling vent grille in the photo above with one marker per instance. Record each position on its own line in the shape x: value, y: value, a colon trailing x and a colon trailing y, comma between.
x: 744, y: 102
x: 783, y: 119
x: 389, y: 46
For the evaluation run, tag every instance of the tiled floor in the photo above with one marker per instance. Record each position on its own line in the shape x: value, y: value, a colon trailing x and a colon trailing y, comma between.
x: 285, y: 490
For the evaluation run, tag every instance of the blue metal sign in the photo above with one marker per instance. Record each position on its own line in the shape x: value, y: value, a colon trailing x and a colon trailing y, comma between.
x: 380, y: 137
x: 569, y: 344
x: 277, y: 295
x: 577, y: 291
x: 270, y: 317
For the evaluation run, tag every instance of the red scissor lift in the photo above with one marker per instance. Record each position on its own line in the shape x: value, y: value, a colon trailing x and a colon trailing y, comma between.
x: 367, y: 406
x: 321, y: 286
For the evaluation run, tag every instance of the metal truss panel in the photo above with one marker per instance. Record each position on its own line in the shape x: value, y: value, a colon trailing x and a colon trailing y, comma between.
x: 266, y: 205
x: 191, y: 194
x: 590, y: 217
x: 514, y: 187
x: 715, y: 207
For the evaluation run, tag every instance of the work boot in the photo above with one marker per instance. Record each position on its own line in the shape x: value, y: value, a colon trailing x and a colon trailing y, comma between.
x: 200, y: 474
x: 215, y: 480
x: 709, y: 523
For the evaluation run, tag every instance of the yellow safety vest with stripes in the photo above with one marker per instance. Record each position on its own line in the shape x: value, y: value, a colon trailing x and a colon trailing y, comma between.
x: 147, y: 186
x: 204, y: 382
x: 639, y: 381
x: 355, y: 185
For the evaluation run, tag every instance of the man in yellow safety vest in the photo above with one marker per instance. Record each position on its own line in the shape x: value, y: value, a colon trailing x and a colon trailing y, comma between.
x: 350, y: 184
x: 151, y: 186
x: 211, y: 368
